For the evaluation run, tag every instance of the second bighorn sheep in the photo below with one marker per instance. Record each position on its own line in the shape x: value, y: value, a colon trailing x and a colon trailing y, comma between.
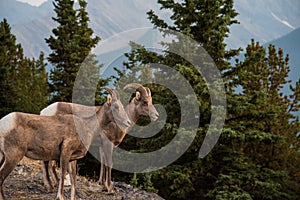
x: 61, y: 137
x: 140, y: 105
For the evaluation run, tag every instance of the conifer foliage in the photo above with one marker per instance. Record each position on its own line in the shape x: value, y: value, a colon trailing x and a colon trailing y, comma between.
x: 257, y: 155
x: 23, y: 81
x: 71, y: 46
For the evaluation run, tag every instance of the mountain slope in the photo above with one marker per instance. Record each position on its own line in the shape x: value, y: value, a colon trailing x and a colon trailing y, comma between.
x: 18, y: 13
x: 262, y: 20
x: 106, y: 19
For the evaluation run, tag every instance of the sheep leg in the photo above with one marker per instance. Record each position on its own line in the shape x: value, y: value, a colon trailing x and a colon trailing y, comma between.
x: 60, y: 193
x: 102, y: 159
x: 72, y: 173
x: 102, y: 174
x: 102, y: 170
x: 46, y: 176
x: 108, y: 162
x: 65, y: 156
x: 52, y: 173
x: 7, y: 165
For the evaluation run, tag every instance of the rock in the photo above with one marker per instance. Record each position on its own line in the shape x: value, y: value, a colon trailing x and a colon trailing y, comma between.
x: 25, y: 182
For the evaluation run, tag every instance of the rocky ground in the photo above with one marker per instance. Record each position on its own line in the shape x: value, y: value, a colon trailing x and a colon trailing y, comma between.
x: 25, y: 182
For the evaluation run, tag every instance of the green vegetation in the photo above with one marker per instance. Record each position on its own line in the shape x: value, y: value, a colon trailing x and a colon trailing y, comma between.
x: 257, y: 156
x: 23, y: 81
x: 71, y: 47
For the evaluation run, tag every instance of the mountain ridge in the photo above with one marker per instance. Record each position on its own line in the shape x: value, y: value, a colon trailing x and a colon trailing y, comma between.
x: 32, y: 24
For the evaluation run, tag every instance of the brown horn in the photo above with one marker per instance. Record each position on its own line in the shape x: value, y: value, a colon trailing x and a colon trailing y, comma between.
x: 112, y: 92
x: 148, y: 91
x: 137, y: 86
x: 132, y: 85
x: 109, y: 90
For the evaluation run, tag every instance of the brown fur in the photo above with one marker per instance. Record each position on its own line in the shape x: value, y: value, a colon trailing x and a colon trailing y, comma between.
x: 52, y: 138
x: 140, y: 105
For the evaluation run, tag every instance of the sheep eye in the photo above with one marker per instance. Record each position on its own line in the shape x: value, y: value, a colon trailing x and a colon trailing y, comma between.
x: 116, y: 106
x: 145, y: 103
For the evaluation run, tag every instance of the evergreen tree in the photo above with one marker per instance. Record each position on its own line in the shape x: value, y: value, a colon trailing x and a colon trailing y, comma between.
x: 23, y: 80
x: 71, y: 58
x: 71, y: 45
x: 206, y: 21
x: 8, y: 62
x: 257, y: 155
x: 32, y: 85
x: 259, y: 143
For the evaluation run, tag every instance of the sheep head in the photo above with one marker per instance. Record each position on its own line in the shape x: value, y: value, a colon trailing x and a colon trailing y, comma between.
x: 143, y: 101
x: 114, y: 110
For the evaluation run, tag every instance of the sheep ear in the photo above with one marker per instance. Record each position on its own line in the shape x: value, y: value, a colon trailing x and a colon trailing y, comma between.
x: 109, y: 99
x: 137, y: 95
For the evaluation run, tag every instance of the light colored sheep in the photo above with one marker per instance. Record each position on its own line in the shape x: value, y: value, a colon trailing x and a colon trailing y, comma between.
x: 61, y: 137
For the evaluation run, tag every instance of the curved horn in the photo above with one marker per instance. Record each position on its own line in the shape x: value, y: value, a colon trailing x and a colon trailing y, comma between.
x: 112, y: 92
x: 137, y: 86
x: 132, y: 85
x: 109, y: 90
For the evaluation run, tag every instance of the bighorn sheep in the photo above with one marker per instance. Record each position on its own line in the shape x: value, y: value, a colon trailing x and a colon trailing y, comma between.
x: 140, y: 105
x: 56, y: 137
x: 60, y: 108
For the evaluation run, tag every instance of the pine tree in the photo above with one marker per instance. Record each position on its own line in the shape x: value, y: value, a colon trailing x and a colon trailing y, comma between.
x: 8, y: 62
x: 23, y: 80
x: 32, y: 85
x: 63, y: 75
x: 71, y: 45
x: 257, y: 154
x: 260, y: 131
x: 208, y: 23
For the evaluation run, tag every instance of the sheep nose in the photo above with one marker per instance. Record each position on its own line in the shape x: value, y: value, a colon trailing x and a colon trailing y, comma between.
x: 154, y: 117
x: 128, y: 123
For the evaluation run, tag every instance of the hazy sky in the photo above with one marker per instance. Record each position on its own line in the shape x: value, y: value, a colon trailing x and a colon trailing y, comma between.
x: 33, y: 2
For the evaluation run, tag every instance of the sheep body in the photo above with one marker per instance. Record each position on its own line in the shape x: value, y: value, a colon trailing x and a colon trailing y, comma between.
x: 60, y: 137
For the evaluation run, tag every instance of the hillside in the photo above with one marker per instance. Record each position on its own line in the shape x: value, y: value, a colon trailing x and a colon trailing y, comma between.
x: 262, y: 20
x: 18, y: 13
x: 25, y: 182
x: 106, y: 19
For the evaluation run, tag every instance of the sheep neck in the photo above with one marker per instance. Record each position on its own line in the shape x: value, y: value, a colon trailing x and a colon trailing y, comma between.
x: 93, y: 125
x: 131, y: 112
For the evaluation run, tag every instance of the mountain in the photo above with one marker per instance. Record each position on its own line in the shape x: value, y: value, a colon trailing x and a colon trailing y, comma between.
x: 33, y: 24
x: 263, y: 20
x: 18, y: 13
